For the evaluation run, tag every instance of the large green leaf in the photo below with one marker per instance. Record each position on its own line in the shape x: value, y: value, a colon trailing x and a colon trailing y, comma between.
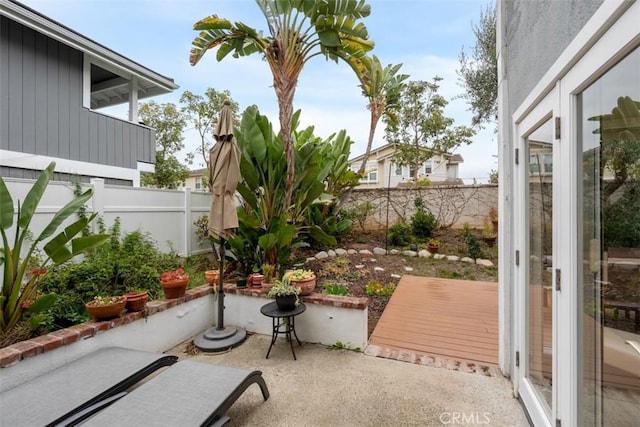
x: 6, y: 206
x: 43, y: 303
x: 64, y: 213
x: 32, y: 199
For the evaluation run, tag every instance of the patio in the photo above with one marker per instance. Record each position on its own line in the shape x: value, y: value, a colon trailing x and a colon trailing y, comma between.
x: 343, y: 388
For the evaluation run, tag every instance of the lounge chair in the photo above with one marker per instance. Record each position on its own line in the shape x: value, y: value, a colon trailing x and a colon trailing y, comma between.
x: 51, y: 398
x: 188, y: 393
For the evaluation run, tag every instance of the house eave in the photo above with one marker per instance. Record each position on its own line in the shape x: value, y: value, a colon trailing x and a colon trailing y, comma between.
x: 38, y: 22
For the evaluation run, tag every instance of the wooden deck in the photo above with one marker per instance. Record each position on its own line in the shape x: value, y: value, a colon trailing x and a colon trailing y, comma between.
x: 443, y: 318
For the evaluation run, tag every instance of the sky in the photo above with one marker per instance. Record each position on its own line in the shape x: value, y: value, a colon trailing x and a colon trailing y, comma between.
x: 426, y: 36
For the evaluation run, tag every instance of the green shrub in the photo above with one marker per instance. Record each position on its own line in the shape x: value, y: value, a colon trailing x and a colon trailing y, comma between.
x: 112, y: 269
x: 423, y: 222
x: 473, y: 246
x: 360, y: 213
x: 333, y: 288
x: 399, y: 234
x: 376, y: 288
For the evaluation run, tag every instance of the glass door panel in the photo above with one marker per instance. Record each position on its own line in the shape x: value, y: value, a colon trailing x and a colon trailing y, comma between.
x: 609, y: 239
x: 539, y: 305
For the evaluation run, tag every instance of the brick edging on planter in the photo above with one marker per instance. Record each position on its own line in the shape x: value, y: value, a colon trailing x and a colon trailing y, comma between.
x: 29, y: 348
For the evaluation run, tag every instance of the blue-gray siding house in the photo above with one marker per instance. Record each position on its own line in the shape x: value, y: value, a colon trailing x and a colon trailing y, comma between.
x: 52, y: 82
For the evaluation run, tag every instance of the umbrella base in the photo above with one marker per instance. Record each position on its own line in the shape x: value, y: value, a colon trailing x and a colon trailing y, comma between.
x: 214, y: 340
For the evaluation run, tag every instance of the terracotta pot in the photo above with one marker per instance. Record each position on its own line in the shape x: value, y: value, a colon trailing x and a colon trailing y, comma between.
x: 212, y: 276
x: 257, y: 279
x: 433, y: 248
x: 490, y: 241
x: 306, y: 286
x: 175, y: 288
x: 136, y: 301
x: 104, y: 312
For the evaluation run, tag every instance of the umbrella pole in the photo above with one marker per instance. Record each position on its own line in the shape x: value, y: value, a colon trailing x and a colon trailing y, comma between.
x: 220, y: 325
x: 220, y: 337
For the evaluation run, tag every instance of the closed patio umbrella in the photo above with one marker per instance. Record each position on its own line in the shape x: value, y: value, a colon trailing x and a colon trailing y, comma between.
x: 224, y: 173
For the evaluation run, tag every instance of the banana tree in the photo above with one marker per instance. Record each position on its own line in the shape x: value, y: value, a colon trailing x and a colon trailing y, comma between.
x: 267, y: 233
x: 59, y: 249
x: 297, y: 30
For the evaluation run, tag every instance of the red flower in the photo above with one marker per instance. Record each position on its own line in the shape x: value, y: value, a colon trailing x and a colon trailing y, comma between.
x: 171, y: 276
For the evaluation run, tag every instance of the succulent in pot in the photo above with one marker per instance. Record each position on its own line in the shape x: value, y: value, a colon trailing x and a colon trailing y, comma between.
x: 303, y: 279
x: 285, y: 294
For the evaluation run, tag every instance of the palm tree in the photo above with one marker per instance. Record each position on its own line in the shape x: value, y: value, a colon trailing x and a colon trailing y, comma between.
x: 298, y: 30
x: 382, y: 87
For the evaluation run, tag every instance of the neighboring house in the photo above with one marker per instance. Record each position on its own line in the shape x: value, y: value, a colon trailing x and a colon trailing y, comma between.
x: 52, y: 82
x: 569, y: 132
x: 197, y: 180
x: 381, y: 171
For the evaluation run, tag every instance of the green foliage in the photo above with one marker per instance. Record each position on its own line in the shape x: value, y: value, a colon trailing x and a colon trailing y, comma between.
x: 169, y: 123
x: 17, y: 287
x: 478, y: 73
x: 268, y: 231
x: 621, y: 222
x: 338, y: 266
x: 374, y: 287
x: 133, y: 262
x: 360, y: 213
x: 339, y: 345
x: 333, y: 288
x: 422, y: 130
x: 400, y: 234
x: 296, y: 32
x: 203, y: 112
x: 423, y: 222
x: 474, y: 250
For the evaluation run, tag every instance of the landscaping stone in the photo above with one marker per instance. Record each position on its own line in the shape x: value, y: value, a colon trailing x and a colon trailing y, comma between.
x: 341, y: 252
x: 424, y: 253
x: 396, y: 276
x: 322, y: 255
x: 331, y: 253
x: 311, y: 259
x: 408, y: 268
x: 379, y: 251
x: 467, y: 259
x: 453, y: 258
x: 352, y: 252
x: 484, y: 262
x: 378, y: 269
x: 439, y: 256
x: 410, y: 253
x: 394, y: 252
x: 373, y: 260
x: 365, y: 252
x: 359, y: 266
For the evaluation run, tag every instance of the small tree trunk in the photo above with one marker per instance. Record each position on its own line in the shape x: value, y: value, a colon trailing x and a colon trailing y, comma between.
x: 285, y: 91
x: 372, y: 131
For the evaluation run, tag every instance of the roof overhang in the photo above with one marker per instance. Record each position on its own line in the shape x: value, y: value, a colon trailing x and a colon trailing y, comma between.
x: 112, y: 91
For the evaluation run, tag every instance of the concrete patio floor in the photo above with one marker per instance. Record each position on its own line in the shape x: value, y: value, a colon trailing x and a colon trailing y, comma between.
x: 344, y: 388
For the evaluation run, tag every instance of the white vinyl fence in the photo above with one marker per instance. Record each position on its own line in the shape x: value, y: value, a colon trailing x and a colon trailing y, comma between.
x: 166, y: 215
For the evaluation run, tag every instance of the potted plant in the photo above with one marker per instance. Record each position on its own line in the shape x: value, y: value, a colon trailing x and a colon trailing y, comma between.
x: 174, y: 283
x: 285, y: 294
x: 102, y: 308
x: 433, y: 246
x: 136, y: 299
x: 303, y: 279
x: 212, y: 277
x: 488, y: 233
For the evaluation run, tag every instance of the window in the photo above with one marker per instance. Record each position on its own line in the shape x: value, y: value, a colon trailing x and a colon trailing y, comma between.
x: 428, y: 167
x: 398, y: 170
x: 198, y: 184
x: 412, y: 169
x: 371, y: 172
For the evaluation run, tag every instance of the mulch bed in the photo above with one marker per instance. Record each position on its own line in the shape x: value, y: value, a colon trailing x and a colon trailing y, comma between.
x: 356, y: 279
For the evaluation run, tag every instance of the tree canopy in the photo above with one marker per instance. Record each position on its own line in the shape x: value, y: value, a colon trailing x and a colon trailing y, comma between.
x: 169, y: 123
x: 297, y: 30
x: 478, y: 73
x: 422, y: 129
